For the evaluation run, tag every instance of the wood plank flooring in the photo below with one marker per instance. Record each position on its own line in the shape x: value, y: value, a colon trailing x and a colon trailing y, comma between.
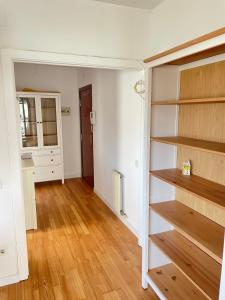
x: 80, y: 250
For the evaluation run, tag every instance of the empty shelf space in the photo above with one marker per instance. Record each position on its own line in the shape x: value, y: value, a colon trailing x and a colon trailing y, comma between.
x: 173, y: 284
x: 212, y: 147
x: 201, y: 231
x: 200, y: 187
x: 189, y: 101
x: 199, y: 267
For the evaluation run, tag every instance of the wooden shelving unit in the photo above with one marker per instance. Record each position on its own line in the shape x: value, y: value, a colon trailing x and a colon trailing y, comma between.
x: 173, y: 284
x: 207, y: 146
x: 200, y: 268
x: 183, y: 252
x: 189, y: 101
x: 201, y: 231
x: 203, y: 188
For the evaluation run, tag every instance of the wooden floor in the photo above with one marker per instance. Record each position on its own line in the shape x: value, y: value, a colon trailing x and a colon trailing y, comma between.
x: 80, y: 251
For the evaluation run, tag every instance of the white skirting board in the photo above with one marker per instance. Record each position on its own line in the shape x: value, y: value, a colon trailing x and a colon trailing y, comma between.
x: 125, y: 220
x: 71, y: 176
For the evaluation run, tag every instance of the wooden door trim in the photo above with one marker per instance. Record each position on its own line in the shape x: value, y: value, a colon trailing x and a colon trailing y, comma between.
x: 187, y: 44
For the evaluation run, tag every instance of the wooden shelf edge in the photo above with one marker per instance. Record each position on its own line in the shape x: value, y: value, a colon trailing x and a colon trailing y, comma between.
x: 187, y: 44
x: 173, y: 284
x: 193, y: 184
x: 194, y: 237
x: 189, y: 101
x: 180, y: 251
x: 202, y: 145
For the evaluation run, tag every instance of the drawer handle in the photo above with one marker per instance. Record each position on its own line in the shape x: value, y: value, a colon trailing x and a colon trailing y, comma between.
x: 52, y: 151
x: 52, y: 159
x: 52, y: 172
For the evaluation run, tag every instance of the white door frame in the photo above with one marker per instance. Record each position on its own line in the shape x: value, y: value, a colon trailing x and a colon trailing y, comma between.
x: 8, y: 58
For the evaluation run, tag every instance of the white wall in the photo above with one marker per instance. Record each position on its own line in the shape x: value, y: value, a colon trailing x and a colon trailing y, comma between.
x: 64, y: 80
x: 117, y: 135
x: 8, y: 262
x: 89, y: 27
x: 176, y: 21
x: 73, y: 26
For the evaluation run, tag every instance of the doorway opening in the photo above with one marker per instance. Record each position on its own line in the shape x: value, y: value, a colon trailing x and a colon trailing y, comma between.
x: 111, y: 135
x: 86, y: 134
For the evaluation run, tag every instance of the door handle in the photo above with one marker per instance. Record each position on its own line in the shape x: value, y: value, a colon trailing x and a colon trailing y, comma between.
x: 92, y: 117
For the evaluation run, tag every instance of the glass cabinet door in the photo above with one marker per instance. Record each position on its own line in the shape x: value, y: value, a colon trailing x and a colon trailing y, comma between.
x: 49, y: 121
x: 28, y: 122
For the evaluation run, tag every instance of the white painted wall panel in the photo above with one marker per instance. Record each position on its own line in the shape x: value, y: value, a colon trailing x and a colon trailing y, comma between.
x: 73, y: 26
x: 117, y: 135
x: 176, y: 21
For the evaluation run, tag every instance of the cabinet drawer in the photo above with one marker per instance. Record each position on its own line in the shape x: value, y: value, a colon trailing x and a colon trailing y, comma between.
x: 46, y: 152
x: 50, y: 160
x: 48, y: 173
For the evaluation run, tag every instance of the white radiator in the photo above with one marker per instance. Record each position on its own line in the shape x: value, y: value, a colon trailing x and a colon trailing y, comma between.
x: 118, y: 204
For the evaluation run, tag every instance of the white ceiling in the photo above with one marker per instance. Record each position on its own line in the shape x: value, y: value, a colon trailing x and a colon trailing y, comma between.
x: 145, y: 4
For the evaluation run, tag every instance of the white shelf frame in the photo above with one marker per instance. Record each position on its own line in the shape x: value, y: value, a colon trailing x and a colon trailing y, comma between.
x: 146, y: 263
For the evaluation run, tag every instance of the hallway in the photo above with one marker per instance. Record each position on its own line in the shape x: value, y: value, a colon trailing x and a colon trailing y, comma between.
x: 80, y: 251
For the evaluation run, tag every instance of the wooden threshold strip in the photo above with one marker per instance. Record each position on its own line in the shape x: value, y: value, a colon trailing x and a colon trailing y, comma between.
x: 207, y: 146
x: 173, y: 284
x: 201, y: 231
x: 203, y: 271
x: 189, y: 101
x: 198, y: 186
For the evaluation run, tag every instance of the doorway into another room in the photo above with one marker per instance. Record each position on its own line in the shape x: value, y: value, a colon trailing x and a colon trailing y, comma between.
x: 86, y: 133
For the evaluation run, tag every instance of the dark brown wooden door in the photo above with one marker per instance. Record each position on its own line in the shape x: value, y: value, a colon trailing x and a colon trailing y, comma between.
x: 87, y: 162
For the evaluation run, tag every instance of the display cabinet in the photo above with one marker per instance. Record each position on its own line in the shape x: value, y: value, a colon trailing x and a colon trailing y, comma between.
x: 41, y: 133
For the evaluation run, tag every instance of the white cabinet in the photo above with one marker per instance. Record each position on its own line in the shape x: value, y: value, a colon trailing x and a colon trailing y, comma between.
x: 41, y: 133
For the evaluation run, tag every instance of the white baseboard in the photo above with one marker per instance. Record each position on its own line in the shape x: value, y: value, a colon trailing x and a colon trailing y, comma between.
x: 125, y: 220
x: 70, y: 176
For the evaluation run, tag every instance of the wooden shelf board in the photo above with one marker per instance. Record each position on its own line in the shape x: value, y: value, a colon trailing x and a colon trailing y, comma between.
x: 201, y: 231
x: 200, y: 268
x: 198, y: 186
x: 212, y: 147
x: 173, y: 284
x: 189, y: 101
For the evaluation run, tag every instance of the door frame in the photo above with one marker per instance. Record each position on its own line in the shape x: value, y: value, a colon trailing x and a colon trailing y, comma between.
x: 84, y: 88
x: 14, y: 189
